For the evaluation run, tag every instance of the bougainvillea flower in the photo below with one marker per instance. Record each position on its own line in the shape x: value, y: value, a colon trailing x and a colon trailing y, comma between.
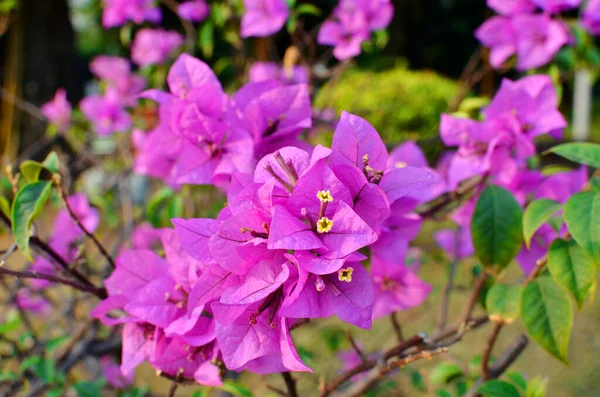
x: 345, y: 34
x: 378, y: 13
x: 556, y: 6
x: 591, y: 17
x: 106, y: 113
x: 116, y: 71
x: 152, y: 46
x: 275, y: 116
x: 396, y: 287
x: 527, y: 258
x: 562, y: 185
x: 173, y: 356
x: 263, y: 17
x: 252, y: 336
x: 511, y: 7
x: 358, y: 144
x: 33, y: 303
x: 114, y: 376
x: 261, y: 71
x: 498, y: 34
x: 456, y: 243
x: 193, y: 10
x: 347, y: 293
x: 58, y: 111
x: 118, y: 12
x: 539, y: 38
x: 534, y: 101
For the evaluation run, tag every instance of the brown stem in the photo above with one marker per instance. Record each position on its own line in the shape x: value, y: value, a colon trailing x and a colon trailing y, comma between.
x: 479, y: 283
x: 378, y: 374
x: 396, y: 326
x: 188, y: 27
x: 355, y: 346
x: 487, y: 352
x: 432, y: 208
x: 99, y: 292
x: 43, y: 246
x: 90, y: 235
x: 173, y: 388
x: 290, y: 383
x: 510, y: 355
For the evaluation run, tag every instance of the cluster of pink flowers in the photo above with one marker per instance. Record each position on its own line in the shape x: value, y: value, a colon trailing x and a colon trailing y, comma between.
x: 153, y: 46
x: 497, y: 148
x: 119, y: 12
x: 519, y: 30
x: 289, y: 244
x: 205, y: 135
x: 261, y: 71
x: 352, y: 24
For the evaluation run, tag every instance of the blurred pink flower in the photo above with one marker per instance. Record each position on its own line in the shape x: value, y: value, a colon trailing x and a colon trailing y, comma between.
x: 263, y: 17
x: 152, y: 46
x: 58, y: 111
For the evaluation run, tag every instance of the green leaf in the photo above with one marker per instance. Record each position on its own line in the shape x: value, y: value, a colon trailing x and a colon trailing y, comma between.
x: 443, y: 393
x: 503, y: 302
x: 536, y: 387
x: 536, y: 214
x: 572, y: 268
x: 445, y: 373
x: 55, y: 343
x: 88, y: 389
x: 11, y: 322
x: 498, y: 388
x: 496, y: 228
x: 8, y: 376
x: 517, y: 379
x: 206, y: 38
x: 51, y: 163
x: 417, y: 381
x: 308, y: 9
x: 28, y: 204
x: 31, y: 169
x: 235, y: 389
x: 548, y: 316
x: 45, y: 369
x: 582, y: 215
x: 579, y: 152
x: 55, y: 392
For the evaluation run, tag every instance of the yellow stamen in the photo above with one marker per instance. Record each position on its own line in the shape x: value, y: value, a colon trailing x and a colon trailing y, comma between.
x: 324, y: 196
x: 345, y: 274
x: 324, y: 225
x: 401, y: 164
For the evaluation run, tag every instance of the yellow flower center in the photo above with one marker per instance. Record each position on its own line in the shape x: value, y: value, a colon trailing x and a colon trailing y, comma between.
x: 324, y: 196
x: 345, y: 274
x: 401, y: 164
x: 324, y: 225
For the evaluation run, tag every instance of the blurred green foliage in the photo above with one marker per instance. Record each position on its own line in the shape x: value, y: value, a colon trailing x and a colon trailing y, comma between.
x: 400, y: 103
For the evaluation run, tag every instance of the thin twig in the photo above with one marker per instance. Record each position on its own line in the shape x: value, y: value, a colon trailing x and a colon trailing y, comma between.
x: 487, y: 352
x: 503, y: 362
x: 396, y: 326
x: 355, y: 346
x: 479, y: 283
x: 99, y: 292
x: 276, y: 390
x: 377, y: 374
x: 188, y: 27
x: 90, y: 235
x: 173, y: 388
x: 290, y: 383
